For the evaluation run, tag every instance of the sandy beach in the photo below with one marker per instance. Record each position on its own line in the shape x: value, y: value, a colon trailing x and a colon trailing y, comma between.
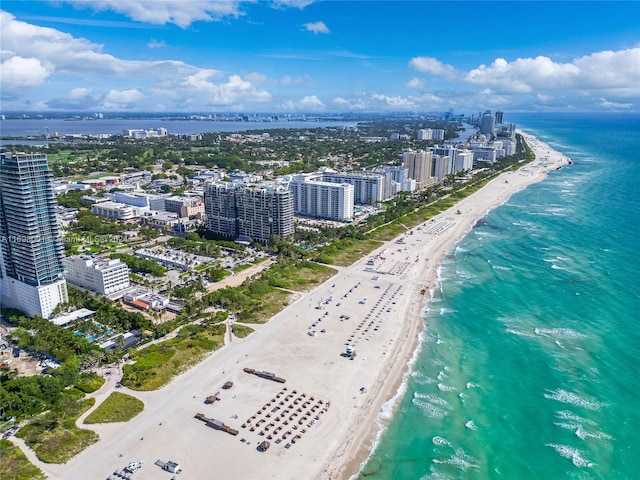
x: 322, y: 422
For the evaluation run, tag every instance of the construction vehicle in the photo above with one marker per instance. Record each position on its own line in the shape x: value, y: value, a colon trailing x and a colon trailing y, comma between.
x: 267, y: 375
x: 227, y: 385
x: 212, y: 398
x: 264, y: 446
x: 216, y: 424
x: 169, y: 466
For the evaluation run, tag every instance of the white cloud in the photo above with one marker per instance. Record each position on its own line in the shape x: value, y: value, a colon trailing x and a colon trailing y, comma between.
x: 292, y: 3
x: 415, y: 82
x: 616, y: 72
x: 156, y: 43
x: 345, y: 104
x: 18, y: 73
x: 394, y: 102
x: 118, y: 99
x: 613, y: 105
x: 316, y: 27
x: 310, y: 103
x: 79, y: 92
x: 434, y: 66
x: 235, y: 91
x: 255, y: 77
x: 288, y: 80
x: 179, y: 12
x: 32, y: 55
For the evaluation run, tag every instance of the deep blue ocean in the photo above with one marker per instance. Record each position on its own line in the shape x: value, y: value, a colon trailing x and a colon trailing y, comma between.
x: 529, y: 367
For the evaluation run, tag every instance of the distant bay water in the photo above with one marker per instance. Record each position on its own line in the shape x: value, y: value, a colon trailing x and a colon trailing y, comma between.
x: 529, y: 366
x: 114, y: 126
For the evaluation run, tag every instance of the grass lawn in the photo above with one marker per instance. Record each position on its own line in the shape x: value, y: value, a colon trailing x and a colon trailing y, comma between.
x: 156, y: 365
x: 300, y: 276
x: 54, y: 436
x: 241, y: 331
x: 260, y: 311
x: 15, y: 466
x: 118, y: 407
x: 347, y: 251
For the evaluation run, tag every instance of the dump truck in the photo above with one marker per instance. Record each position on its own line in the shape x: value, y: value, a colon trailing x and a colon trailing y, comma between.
x: 267, y: 375
x: 227, y: 385
x: 216, y: 424
x: 264, y: 446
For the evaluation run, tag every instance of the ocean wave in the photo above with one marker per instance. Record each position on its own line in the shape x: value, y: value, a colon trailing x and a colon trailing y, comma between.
x: 570, y: 416
x: 445, y: 388
x: 563, y: 333
x: 472, y: 385
x: 440, y: 441
x: 434, y: 399
x: 572, y: 454
x: 422, y: 379
x: 461, y: 460
x: 520, y: 333
x: 470, y: 425
x: 500, y: 267
x: 571, y: 398
x: 582, y: 434
x: 446, y: 310
x: 442, y: 376
x: 429, y: 409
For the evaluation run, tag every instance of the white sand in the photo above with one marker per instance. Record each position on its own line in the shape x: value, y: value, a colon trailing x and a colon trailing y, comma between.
x: 385, y: 334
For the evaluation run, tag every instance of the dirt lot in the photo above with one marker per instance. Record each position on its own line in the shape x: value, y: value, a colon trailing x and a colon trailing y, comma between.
x: 25, y: 364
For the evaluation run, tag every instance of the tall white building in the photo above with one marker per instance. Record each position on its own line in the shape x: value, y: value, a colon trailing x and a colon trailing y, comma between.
x: 31, y: 248
x: 315, y: 198
x: 368, y: 187
x: 107, y: 277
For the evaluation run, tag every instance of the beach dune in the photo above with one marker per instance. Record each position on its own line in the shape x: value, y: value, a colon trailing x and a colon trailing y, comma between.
x: 320, y: 423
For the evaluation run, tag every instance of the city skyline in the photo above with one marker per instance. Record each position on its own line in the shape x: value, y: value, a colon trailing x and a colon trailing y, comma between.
x: 288, y: 56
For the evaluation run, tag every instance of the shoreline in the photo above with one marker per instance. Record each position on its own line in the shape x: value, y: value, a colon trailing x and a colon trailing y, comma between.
x: 542, y: 151
x: 384, y: 303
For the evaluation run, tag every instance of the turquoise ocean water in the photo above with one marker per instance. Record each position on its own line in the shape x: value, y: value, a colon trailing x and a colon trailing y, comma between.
x: 529, y: 368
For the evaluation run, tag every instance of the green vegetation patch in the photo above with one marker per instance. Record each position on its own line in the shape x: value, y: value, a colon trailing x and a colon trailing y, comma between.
x: 262, y: 309
x: 118, y: 407
x: 301, y: 276
x: 54, y: 436
x: 346, y: 251
x: 241, y: 331
x: 14, y: 465
x: 89, y: 382
x: 156, y: 365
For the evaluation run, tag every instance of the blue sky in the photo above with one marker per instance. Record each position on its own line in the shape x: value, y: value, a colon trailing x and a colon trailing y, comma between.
x: 328, y: 56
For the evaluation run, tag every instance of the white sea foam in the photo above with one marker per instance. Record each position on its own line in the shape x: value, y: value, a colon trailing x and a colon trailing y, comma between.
x: 472, y: 385
x: 470, y: 425
x: 568, y: 415
x: 500, y: 267
x: 445, y: 388
x: 561, y: 333
x: 571, y: 398
x: 440, y: 441
x: 442, y: 376
x: 422, y: 379
x: 572, y: 454
x: 429, y: 409
x: 582, y: 434
x: 446, y: 310
x: 461, y: 460
x: 520, y: 333
x: 431, y: 398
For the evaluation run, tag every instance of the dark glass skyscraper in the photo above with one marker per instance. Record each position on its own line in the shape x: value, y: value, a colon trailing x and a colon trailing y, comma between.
x: 31, y: 247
